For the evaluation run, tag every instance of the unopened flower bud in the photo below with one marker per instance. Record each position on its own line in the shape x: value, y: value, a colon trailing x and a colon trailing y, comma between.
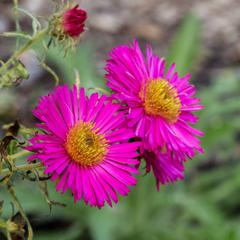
x: 68, y: 25
x: 74, y: 21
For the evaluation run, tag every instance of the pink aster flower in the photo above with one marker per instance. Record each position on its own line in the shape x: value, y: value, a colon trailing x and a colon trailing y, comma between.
x: 166, y: 168
x: 74, y: 21
x: 160, y: 105
x: 84, y: 145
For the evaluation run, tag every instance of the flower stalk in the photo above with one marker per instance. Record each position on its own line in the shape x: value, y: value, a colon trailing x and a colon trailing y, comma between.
x: 24, y: 167
x: 36, y: 38
x: 21, y: 211
x: 3, y: 225
x: 17, y: 24
x: 18, y: 155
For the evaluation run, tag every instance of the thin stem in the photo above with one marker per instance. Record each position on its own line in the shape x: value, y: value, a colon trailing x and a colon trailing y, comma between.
x: 2, y: 224
x: 51, y: 71
x: 100, y: 90
x: 18, y: 155
x: 16, y: 34
x: 38, y: 36
x: 21, y: 211
x: 18, y: 28
x: 24, y: 167
x: 8, y: 235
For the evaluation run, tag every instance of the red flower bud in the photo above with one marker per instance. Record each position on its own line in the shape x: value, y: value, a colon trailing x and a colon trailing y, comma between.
x: 73, y: 21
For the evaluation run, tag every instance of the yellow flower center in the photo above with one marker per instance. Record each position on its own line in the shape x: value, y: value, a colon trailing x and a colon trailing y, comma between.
x: 160, y: 99
x: 85, y: 145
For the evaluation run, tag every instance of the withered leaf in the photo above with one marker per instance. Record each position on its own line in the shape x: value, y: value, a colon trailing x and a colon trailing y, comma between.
x: 11, y: 133
x: 5, y: 179
x: 13, y: 129
x: 44, y: 189
x: 3, y: 145
x: 21, y: 224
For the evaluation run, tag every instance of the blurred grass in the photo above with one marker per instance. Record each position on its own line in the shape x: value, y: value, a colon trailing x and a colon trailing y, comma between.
x: 82, y: 61
x: 205, y: 206
x: 186, y: 45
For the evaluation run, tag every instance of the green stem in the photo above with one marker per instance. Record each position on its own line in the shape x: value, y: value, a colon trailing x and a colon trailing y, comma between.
x: 18, y: 155
x: 37, y: 37
x: 51, y: 71
x: 24, y: 167
x: 18, y: 28
x: 16, y: 35
x: 20, y: 209
x: 3, y: 224
x: 8, y: 236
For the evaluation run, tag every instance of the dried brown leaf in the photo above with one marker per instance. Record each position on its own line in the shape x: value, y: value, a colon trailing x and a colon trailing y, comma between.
x: 21, y: 224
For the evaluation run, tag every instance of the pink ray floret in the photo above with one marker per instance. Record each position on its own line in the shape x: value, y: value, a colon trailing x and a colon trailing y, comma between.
x: 133, y: 77
x: 61, y: 111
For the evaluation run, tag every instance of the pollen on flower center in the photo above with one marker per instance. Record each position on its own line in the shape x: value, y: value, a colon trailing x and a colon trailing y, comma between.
x: 85, y: 145
x: 160, y: 99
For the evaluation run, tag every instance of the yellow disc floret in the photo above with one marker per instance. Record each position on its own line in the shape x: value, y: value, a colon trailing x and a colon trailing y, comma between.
x: 85, y: 145
x: 160, y: 99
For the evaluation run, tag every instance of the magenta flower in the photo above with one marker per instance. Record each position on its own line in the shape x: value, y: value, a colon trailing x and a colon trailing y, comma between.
x: 84, y: 145
x: 74, y: 21
x: 166, y: 168
x: 159, y: 105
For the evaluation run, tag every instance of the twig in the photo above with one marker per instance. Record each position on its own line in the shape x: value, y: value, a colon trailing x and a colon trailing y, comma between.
x: 21, y: 211
x: 17, y: 24
x: 24, y: 167
x: 19, y: 154
x: 51, y: 71
x: 38, y: 36
x: 16, y: 34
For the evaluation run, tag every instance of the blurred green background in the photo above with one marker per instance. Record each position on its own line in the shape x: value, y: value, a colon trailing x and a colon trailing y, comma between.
x: 205, y: 206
